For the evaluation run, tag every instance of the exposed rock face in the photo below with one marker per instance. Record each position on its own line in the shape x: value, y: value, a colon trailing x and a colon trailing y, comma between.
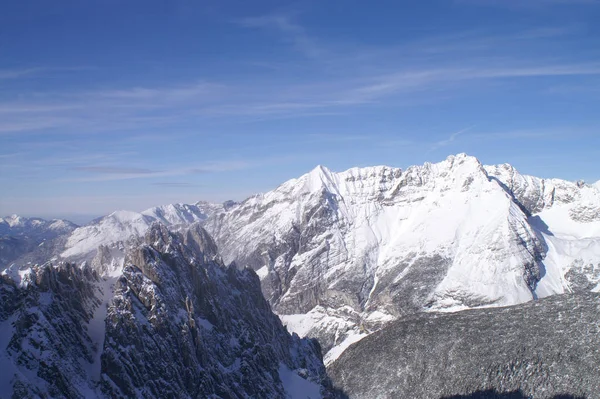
x: 353, y: 250
x: 542, y: 349
x: 176, y: 324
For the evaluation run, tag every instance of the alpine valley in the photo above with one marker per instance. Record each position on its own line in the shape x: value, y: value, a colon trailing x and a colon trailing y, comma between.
x: 182, y: 300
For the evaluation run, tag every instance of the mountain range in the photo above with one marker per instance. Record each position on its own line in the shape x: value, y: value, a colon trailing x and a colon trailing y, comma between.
x: 340, y: 256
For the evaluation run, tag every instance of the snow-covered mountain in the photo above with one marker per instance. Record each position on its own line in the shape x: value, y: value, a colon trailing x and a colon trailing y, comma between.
x: 342, y: 254
x: 546, y: 349
x: 176, y: 323
x: 20, y: 235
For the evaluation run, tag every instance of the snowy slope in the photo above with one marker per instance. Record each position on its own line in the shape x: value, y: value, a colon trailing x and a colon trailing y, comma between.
x: 118, y: 226
x: 369, y: 245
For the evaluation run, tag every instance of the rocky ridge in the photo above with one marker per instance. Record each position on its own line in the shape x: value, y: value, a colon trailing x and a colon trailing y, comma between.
x: 176, y: 323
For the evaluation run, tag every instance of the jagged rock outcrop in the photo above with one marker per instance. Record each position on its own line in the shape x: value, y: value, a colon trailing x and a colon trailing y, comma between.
x: 44, y: 345
x: 176, y: 323
x: 542, y: 349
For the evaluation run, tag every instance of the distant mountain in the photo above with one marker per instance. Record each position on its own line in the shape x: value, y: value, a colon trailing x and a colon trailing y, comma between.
x: 104, y: 240
x: 543, y: 349
x: 176, y: 323
x: 16, y: 225
x: 20, y: 235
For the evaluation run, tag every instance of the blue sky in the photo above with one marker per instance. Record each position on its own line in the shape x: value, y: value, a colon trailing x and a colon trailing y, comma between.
x: 109, y: 105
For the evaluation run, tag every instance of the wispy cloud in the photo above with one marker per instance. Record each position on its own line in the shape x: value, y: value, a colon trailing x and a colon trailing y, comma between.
x: 113, y: 170
x: 139, y: 108
x: 335, y: 138
x: 175, y: 184
x: 529, y: 3
x: 114, y: 173
x: 421, y: 71
x: 555, y: 133
x: 172, y: 94
x: 289, y: 31
x: 450, y: 139
x: 6, y: 74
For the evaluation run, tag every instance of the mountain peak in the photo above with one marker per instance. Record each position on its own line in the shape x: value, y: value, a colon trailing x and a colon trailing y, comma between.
x: 318, y: 176
x: 125, y: 216
x: 462, y: 158
x: 320, y: 172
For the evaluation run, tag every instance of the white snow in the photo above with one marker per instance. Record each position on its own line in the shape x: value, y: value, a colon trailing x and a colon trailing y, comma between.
x: 263, y: 272
x: 568, y: 219
x: 15, y: 220
x: 297, y: 387
x: 341, y: 323
x: 337, y: 350
x: 97, y: 326
x: 21, y: 277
